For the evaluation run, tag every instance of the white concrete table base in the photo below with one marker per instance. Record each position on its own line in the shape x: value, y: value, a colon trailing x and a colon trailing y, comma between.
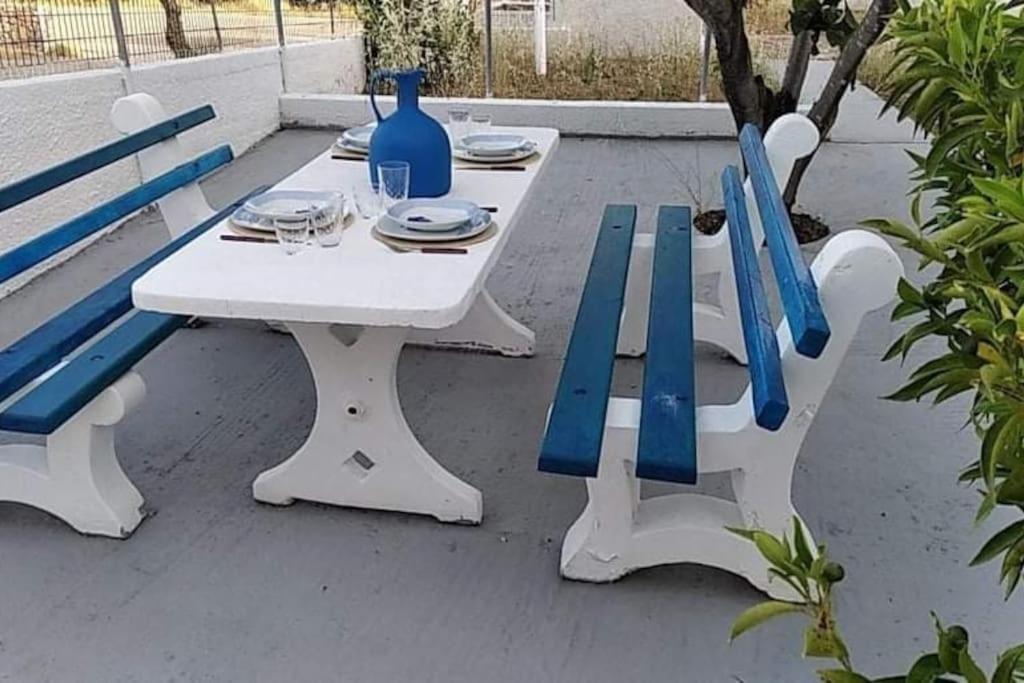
x: 351, y: 309
x: 361, y: 452
x: 485, y: 328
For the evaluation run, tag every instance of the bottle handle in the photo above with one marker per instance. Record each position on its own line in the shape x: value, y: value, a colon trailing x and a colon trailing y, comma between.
x: 378, y: 75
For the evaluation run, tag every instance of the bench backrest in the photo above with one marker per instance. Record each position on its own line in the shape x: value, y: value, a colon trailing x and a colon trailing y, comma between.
x: 797, y: 291
x: 69, y: 233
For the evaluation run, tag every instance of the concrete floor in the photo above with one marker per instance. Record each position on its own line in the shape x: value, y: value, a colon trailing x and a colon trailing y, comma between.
x: 215, y: 587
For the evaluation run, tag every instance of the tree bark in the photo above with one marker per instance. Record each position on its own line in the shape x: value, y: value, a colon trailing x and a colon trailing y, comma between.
x: 825, y: 109
x: 175, y: 30
x: 796, y: 70
x: 749, y: 98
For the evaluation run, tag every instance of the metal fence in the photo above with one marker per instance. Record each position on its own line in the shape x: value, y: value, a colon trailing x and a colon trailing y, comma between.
x: 51, y: 36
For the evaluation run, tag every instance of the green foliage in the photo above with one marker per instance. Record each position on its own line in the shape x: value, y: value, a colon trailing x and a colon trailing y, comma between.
x: 833, y: 18
x: 438, y: 35
x: 814, y: 577
x: 961, y: 75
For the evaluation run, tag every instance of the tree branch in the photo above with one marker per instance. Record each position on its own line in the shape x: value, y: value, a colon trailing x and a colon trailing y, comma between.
x: 825, y: 109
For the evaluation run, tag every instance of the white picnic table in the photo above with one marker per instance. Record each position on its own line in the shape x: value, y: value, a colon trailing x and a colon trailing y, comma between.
x: 351, y: 309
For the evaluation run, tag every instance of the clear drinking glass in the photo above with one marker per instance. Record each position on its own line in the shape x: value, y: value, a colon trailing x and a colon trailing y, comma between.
x: 328, y: 228
x: 480, y: 123
x: 367, y: 201
x: 458, y: 122
x: 292, y: 232
x: 393, y: 179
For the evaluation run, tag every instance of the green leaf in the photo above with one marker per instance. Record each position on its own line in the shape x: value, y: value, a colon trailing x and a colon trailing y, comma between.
x: 970, y: 670
x: 925, y: 670
x: 772, y: 549
x: 1011, y: 491
x: 758, y: 614
x: 803, y: 551
x: 1007, y: 663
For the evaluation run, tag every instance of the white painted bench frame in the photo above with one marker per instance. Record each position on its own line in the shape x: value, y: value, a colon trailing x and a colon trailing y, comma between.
x: 76, y: 475
x: 618, y: 531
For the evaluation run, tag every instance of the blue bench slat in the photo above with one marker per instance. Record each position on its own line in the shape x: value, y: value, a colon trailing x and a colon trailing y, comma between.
x: 796, y: 284
x: 60, y: 396
x: 765, y: 366
x: 572, y: 443
x: 44, y: 181
x: 43, y: 348
x: 667, y: 446
x: 56, y: 240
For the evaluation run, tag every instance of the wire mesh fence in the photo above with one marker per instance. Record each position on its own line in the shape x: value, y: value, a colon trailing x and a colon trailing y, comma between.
x: 52, y: 36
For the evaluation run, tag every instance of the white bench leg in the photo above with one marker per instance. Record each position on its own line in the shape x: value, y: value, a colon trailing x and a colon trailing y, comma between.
x: 76, y: 475
x: 486, y: 327
x: 361, y: 452
x: 619, y: 532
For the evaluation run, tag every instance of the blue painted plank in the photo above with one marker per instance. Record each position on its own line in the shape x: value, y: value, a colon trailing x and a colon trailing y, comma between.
x: 572, y: 443
x: 667, y: 447
x: 44, y: 181
x: 765, y: 366
x: 43, y: 348
x: 797, y: 290
x: 37, y: 250
x: 68, y: 390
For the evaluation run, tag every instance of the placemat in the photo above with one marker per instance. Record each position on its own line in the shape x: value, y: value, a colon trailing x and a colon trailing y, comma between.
x: 249, y: 232
x: 454, y: 244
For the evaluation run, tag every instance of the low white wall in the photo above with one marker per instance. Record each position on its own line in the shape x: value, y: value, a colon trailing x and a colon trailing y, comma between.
x: 606, y: 119
x: 331, y: 67
x: 50, y: 119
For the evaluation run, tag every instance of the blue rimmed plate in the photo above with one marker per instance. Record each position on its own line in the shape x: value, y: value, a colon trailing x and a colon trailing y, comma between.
x: 389, y: 227
x: 433, y: 215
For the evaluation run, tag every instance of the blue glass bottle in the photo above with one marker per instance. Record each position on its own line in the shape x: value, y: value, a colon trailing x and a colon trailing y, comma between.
x: 409, y: 134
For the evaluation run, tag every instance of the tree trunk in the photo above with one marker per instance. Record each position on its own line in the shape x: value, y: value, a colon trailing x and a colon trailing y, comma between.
x: 175, y: 31
x: 796, y: 70
x: 749, y: 98
x: 825, y: 109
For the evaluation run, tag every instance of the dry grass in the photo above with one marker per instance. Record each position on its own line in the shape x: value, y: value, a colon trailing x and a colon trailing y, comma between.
x: 876, y: 68
x: 667, y: 70
x: 767, y: 17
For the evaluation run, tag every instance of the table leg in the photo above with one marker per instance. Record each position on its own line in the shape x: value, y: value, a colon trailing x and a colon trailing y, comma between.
x: 361, y: 452
x: 486, y: 327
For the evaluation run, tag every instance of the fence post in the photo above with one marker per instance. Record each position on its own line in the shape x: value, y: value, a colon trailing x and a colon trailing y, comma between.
x: 331, y: 6
x: 540, y: 36
x: 705, y: 62
x: 279, y: 19
x: 122, y: 43
x: 216, y: 26
x: 488, y: 52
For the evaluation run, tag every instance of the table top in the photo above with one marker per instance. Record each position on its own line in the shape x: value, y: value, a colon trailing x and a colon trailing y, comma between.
x: 360, y: 282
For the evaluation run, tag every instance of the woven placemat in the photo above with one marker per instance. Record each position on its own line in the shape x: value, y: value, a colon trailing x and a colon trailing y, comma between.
x: 249, y: 232
x: 528, y: 161
x: 454, y: 244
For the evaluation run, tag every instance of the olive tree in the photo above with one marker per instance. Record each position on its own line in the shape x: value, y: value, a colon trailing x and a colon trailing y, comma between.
x: 752, y: 100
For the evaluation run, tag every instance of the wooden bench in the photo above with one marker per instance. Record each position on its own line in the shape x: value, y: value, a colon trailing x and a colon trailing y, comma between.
x: 663, y: 435
x: 71, y: 378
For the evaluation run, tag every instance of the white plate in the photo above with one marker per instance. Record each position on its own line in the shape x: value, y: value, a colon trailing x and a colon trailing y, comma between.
x: 465, y: 155
x: 391, y: 228
x: 342, y: 146
x: 493, y: 144
x: 358, y: 136
x: 433, y: 215
x: 259, y: 212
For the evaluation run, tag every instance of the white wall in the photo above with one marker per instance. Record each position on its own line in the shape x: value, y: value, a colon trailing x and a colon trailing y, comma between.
x: 49, y: 119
